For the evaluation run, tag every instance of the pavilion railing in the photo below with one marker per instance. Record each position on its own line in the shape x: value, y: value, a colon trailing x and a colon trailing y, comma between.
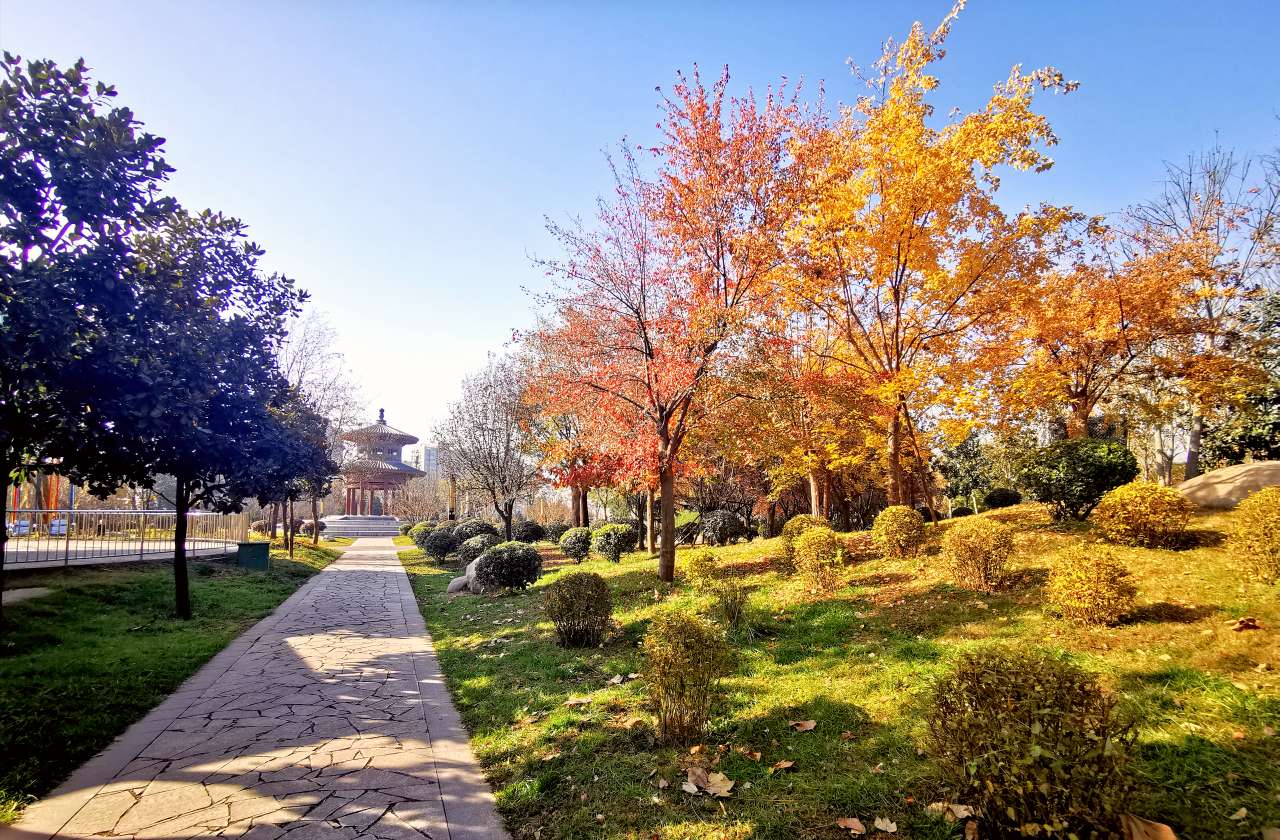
x: 81, y: 537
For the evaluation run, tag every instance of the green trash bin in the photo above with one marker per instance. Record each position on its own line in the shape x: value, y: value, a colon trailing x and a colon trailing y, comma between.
x: 254, y: 555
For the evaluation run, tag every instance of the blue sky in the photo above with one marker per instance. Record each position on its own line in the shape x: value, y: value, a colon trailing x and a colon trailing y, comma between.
x: 398, y: 158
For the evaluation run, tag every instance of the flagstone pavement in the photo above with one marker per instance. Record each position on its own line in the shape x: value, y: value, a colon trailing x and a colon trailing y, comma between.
x: 328, y: 719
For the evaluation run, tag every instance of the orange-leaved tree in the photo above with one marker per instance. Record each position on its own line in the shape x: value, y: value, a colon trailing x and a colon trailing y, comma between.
x: 904, y: 248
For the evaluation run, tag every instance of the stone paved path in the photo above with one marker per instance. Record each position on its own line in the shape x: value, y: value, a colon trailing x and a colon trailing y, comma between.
x: 329, y: 719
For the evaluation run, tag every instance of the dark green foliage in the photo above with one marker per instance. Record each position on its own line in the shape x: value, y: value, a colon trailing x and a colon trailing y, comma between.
x: 472, y: 548
x: 1072, y: 475
x: 508, y: 565
x: 614, y: 540
x: 966, y: 467
x: 1031, y: 742
x: 1001, y: 497
x: 259, y: 526
x: 308, y: 528
x: 721, y: 527
x: 580, y: 605
x: 405, y: 527
x: 555, y: 531
x: 576, y: 544
x: 439, y: 543
x: 469, y: 528
x: 419, y: 533
x: 956, y: 513
x: 528, y: 531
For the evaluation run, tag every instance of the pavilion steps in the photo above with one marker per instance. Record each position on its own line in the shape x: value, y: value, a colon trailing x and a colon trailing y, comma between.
x: 361, y: 526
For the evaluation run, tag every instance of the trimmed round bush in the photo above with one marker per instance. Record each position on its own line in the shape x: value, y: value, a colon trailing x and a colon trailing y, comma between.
x: 1033, y: 744
x: 579, y: 604
x: 555, y: 530
x: 700, y: 568
x: 721, y: 527
x: 439, y: 543
x: 684, y: 660
x: 418, y: 533
x: 819, y: 557
x: 259, y: 526
x: 976, y: 551
x: 898, y: 532
x: 508, y: 565
x: 576, y: 544
x: 528, y: 531
x: 1001, y: 497
x: 1256, y: 540
x: 475, y: 546
x: 797, y: 525
x: 469, y: 528
x: 956, y: 513
x: 308, y: 526
x: 614, y: 540
x: 1072, y: 475
x: 730, y: 604
x: 1142, y: 513
x: 405, y: 528
x: 1088, y: 585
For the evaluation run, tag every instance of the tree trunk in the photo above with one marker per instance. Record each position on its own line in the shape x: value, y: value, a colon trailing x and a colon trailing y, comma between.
x: 181, y: 586
x: 293, y: 527
x: 4, y: 535
x: 815, y: 494
x: 275, y: 512
x: 505, y: 513
x: 667, y: 554
x: 586, y: 509
x: 896, y: 491
x: 1078, y: 422
x: 650, y: 525
x: 315, y: 520
x: 1193, y: 447
x: 771, y: 528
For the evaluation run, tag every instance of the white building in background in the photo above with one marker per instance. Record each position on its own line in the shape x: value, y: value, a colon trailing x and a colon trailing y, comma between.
x: 427, y: 459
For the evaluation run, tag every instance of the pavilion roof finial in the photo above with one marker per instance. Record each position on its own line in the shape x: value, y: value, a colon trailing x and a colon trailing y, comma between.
x: 382, y: 415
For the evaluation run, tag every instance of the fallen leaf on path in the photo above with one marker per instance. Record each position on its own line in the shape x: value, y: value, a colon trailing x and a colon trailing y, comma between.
x: 779, y: 766
x: 616, y: 679
x: 578, y: 701
x: 1246, y: 623
x: 1271, y: 834
x: 846, y: 735
x: 663, y: 784
x: 754, y: 755
x: 803, y: 725
x: 854, y: 825
x: 886, y: 825
x: 1239, y: 815
x: 879, y: 768
x: 950, y: 811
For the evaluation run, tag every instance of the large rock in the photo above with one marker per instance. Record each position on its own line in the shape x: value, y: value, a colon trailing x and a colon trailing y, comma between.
x: 1227, y: 487
x: 466, y: 582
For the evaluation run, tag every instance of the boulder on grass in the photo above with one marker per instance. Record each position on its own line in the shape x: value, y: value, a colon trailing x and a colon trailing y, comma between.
x: 1226, y: 487
x: 466, y: 582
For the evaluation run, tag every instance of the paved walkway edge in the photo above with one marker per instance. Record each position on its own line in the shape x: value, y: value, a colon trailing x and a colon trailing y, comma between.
x: 46, y: 817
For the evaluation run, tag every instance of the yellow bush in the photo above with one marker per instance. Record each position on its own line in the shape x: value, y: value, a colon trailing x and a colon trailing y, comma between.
x: 700, y: 569
x: 1142, y: 513
x: 684, y: 660
x: 898, y: 532
x: 819, y: 556
x: 1256, y: 540
x: 1089, y: 586
x: 796, y: 526
x: 976, y: 549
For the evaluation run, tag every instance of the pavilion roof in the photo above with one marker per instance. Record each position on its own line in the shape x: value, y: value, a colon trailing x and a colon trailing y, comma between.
x: 370, y: 467
x: 379, y: 432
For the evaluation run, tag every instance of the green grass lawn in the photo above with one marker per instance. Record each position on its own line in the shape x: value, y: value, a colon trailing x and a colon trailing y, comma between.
x: 79, y: 665
x: 402, y: 539
x: 860, y: 662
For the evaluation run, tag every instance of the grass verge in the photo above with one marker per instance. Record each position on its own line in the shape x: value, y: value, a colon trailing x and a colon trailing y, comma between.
x: 79, y: 665
x: 860, y: 662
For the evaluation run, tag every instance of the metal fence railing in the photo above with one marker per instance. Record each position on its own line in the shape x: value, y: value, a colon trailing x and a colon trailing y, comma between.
x: 82, y: 537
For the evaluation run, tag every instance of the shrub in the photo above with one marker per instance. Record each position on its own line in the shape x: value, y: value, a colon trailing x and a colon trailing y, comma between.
x: 819, y: 557
x: 471, y: 549
x: 898, y: 532
x: 1071, y: 475
x: 684, y: 660
x: 469, y: 528
x: 579, y: 604
x: 308, y: 526
x: 555, y: 530
x: 976, y: 551
x: 508, y: 565
x: 259, y: 526
x: 439, y: 543
x: 1142, y: 513
x: 721, y: 527
x: 405, y: 528
x: 797, y: 525
x: 1001, y: 497
x: 730, y: 605
x: 1031, y: 743
x: 700, y: 569
x: 613, y: 541
x: 576, y: 544
x: 956, y: 513
x: 1257, y: 536
x: 528, y: 531
x: 1088, y: 585
x: 418, y: 533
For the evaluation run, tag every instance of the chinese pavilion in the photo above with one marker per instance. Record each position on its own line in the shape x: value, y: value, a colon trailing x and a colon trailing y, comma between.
x: 377, y: 467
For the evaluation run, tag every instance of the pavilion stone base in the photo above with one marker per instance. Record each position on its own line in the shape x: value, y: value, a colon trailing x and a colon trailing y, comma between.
x: 349, y: 525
